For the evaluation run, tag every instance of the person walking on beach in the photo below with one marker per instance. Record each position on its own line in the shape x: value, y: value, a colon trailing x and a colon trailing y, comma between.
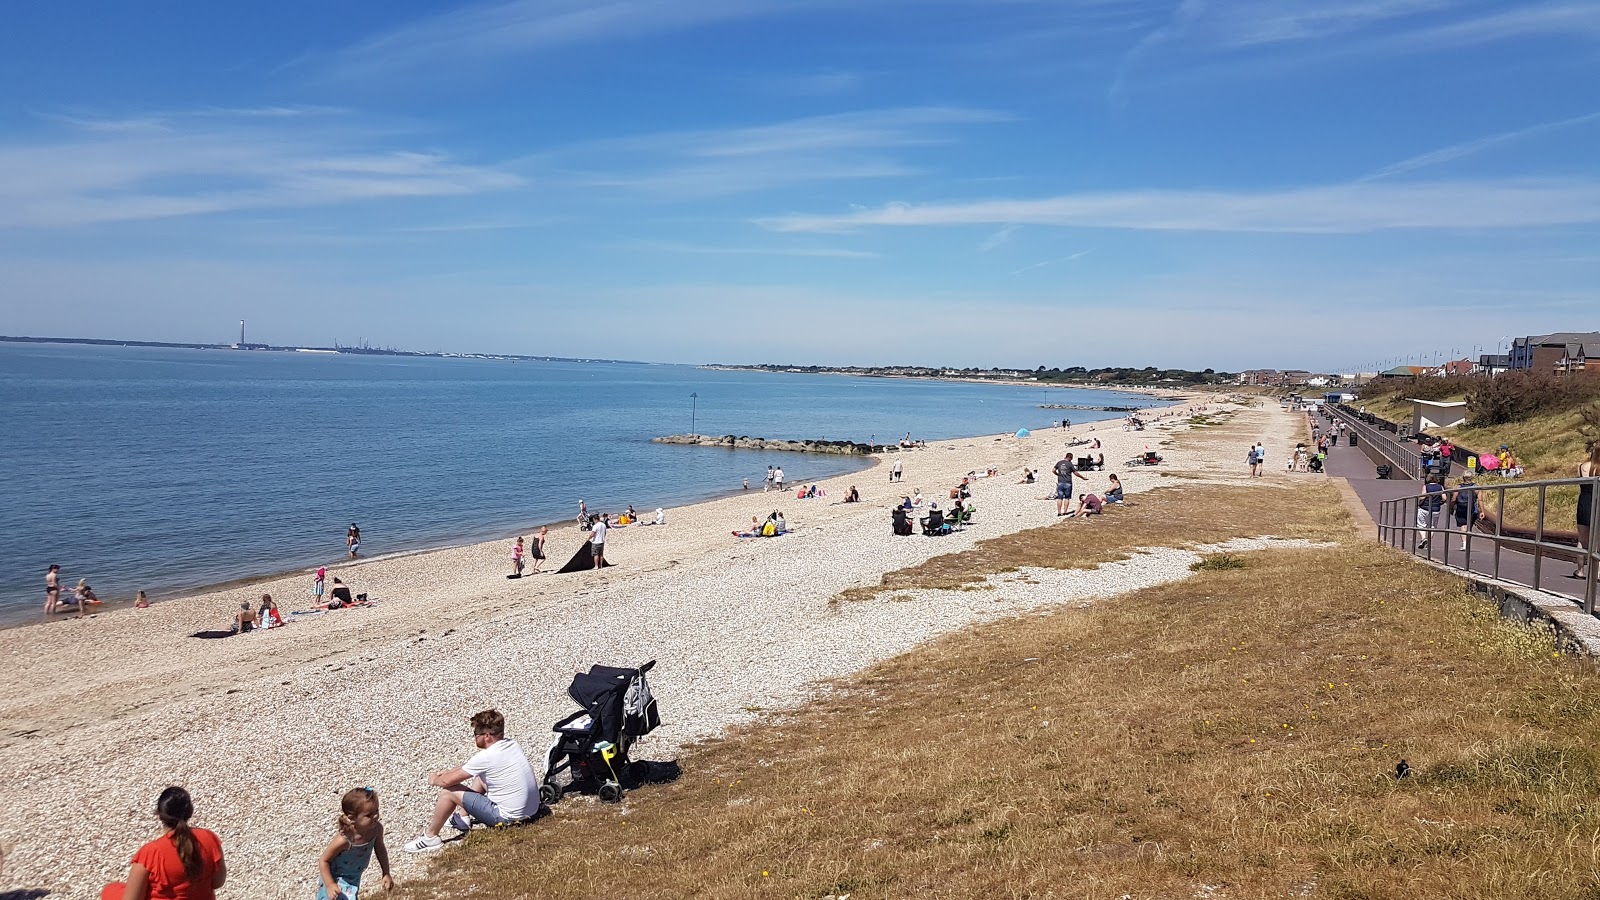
x: 777, y: 478
x: 583, y: 514
x: 352, y: 539
x: 1065, y: 471
x: 516, y: 559
x: 52, y: 588
x: 182, y: 862
x: 358, y: 840
x: 896, y: 472
x: 597, y: 541
x: 496, y: 786
x: 537, y: 551
x: 317, y: 585
x: 768, y: 486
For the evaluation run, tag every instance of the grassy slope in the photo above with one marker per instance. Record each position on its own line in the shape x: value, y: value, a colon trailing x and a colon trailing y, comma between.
x: 1237, y: 730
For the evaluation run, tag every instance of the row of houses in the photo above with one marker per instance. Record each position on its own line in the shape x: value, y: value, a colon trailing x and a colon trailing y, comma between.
x: 1564, y: 351
x: 1285, y: 378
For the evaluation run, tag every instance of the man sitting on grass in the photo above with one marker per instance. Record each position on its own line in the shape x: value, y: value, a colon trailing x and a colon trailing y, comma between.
x: 1088, y: 505
x: 495, y: 787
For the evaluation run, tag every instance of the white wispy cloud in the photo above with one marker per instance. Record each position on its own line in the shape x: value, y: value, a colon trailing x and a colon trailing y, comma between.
x: 712, y: 162
x: 1342, y: 208
x: 487, y: 32
x: 1050, y: 262
x: 1469, y: 148
x: 1256, y: 35
x: 998, y: 238
x: 719, y: 250
x: 118, y: 170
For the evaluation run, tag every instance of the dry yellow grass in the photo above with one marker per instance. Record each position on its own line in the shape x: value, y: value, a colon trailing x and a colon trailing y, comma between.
x: 1176, y: 516
x: 1233, y: 735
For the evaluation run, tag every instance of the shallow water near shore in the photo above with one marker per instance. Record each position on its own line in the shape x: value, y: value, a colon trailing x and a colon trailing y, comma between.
x: 165, y: 470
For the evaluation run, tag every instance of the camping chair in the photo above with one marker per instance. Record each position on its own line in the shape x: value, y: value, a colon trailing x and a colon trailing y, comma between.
x: 934, y: 525
x: 964, y: 518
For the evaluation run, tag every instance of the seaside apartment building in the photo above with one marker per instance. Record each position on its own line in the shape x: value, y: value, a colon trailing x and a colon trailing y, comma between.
x: 1561, y: 352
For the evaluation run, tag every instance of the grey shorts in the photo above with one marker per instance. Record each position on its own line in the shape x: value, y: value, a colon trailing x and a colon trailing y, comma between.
x: 1063, y: 490
x: 483, y: 809
x: 597, y: 550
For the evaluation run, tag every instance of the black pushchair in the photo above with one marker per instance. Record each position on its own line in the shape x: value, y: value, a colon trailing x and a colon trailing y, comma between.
x: 592, y: 744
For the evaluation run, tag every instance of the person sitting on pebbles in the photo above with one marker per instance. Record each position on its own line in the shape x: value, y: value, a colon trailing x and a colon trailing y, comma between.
x: 245, y: 620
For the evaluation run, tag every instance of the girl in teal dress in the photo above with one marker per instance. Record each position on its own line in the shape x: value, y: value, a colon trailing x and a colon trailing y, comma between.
x: 360, y: 837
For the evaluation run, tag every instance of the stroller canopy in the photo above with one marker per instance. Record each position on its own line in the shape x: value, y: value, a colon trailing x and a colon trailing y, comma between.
x: 618, y: 700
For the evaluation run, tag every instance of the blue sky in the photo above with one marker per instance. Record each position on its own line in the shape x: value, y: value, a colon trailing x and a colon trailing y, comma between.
x: 1318, y: 184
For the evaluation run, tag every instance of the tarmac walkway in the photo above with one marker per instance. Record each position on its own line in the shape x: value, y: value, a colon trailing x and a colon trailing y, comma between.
x: 1358, y: 468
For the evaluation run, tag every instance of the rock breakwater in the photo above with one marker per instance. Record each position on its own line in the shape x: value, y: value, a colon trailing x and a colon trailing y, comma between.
x: 741, y: 442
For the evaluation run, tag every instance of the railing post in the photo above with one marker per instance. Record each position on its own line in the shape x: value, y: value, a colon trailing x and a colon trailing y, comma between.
x: 1538, y: 540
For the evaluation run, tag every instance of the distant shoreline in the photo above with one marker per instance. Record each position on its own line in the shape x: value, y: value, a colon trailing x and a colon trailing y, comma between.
x: 273, y: 348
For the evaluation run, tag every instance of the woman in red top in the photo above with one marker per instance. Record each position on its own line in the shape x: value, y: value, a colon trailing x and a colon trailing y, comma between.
x: 182, y: 864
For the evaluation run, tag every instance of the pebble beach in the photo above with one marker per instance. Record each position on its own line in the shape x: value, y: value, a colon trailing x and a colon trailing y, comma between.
x: 267, y: 730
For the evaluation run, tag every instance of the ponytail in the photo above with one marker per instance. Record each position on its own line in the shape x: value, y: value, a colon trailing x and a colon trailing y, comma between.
x: 350, y: 805
x: 174, y: 809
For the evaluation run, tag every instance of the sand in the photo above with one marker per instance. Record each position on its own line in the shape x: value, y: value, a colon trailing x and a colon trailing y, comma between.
x: 268, y: 730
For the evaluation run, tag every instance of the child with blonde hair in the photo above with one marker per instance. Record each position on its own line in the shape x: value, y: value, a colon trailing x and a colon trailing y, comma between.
x: 360, y: 837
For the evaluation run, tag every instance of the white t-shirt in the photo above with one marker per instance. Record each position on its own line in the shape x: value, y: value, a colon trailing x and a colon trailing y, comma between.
x: 599, y: 533
x: 508, y: 780
x: 778, y: 476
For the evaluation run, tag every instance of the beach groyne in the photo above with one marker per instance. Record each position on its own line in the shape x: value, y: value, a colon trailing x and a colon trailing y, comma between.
x: 741, y: 442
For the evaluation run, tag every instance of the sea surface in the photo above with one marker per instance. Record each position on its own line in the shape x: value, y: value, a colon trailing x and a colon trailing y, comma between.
x: 167, y: 470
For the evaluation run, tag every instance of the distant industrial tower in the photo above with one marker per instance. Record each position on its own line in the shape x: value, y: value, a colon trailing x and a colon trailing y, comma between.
x: 242, y: 345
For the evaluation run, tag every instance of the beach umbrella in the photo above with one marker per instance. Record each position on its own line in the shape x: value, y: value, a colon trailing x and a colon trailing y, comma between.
x: 1489, y: 461
x: 1023, y: 432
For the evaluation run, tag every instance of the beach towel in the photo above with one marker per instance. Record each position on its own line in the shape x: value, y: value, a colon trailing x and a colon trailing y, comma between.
x: 582, y: 561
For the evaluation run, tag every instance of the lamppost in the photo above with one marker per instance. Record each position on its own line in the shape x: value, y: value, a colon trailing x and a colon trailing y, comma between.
x: 694, y: 401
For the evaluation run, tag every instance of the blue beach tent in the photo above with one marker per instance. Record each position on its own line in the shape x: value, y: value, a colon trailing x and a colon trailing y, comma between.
x: 1023, y: 432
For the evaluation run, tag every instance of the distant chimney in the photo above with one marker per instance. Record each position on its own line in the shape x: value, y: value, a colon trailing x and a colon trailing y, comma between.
x: 241, y: 332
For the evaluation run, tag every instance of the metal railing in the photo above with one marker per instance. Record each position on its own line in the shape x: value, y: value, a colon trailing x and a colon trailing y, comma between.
x: 1403, y: 524
x: 1405, y: 464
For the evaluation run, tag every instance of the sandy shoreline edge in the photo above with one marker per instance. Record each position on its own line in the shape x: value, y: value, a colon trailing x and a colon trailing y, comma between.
x: 162, y: 594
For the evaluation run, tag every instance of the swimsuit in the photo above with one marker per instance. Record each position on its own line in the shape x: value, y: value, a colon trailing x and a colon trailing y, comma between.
x: 346, y: 869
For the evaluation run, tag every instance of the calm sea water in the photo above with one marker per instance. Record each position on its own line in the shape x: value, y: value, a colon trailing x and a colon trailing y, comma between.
x: 165, y: 470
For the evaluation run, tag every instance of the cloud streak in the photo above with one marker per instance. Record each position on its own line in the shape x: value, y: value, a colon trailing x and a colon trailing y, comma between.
x: 489, y: 32
x: 716, y: 162
x: 151, y: 168
x: 1479, y: 145
x: 1333, y: 209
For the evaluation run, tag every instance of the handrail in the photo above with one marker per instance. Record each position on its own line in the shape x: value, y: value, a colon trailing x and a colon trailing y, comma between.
x: 1403, y: 525
x: 1408, y: 465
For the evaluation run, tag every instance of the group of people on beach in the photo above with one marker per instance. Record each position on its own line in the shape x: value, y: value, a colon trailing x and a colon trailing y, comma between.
x: 535, y: 551
x: 774, y: 526
x: 83, y: 596
x: 495, y: 787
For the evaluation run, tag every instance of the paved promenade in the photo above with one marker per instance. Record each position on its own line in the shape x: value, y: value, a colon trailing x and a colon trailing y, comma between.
x: 1357, y: 466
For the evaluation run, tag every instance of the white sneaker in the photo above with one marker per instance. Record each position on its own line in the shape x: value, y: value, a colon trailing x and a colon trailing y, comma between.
x: 424, y: 844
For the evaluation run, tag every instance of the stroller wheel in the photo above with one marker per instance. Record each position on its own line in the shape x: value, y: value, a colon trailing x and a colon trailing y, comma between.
x: 550, y: 793
x: 611, y: 792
